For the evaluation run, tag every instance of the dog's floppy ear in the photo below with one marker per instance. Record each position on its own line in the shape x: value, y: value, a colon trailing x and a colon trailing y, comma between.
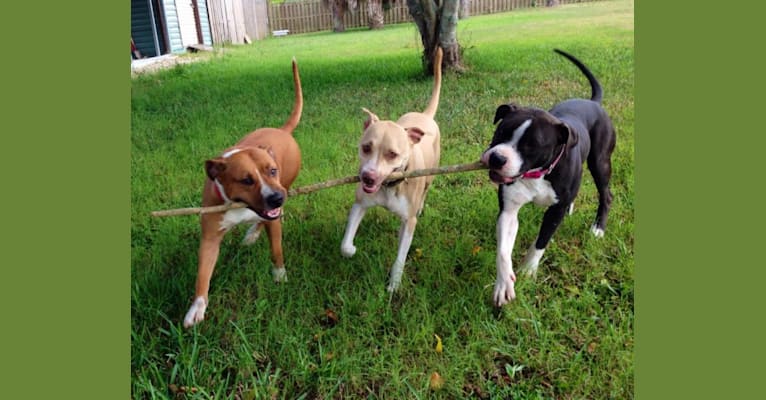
x: 371, y: 118
x: 415, y: 134
x: 566, y: 134
x: 215, y: 167
x: 504, y: 110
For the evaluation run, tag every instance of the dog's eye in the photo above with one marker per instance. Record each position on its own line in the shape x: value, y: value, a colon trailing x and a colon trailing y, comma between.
x: 391, y: 155
x: 366, y: 148
x: 273, y: 172
x: 247, y: 181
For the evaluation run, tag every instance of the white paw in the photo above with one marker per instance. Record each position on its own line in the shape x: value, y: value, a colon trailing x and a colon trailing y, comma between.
x: 395, y: 279
x: 596, y: 231
x: 348, y: 251
x: 279, y: 274
x: 531, y: 261
x: 196, y: 312
x: 251, y: 236
x: 504, y: 291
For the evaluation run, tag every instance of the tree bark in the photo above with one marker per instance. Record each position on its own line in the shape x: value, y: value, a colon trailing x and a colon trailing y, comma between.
x: 437, y: 23
x: 338, y: 9
x: 465, y: 9
x: 375, y: 14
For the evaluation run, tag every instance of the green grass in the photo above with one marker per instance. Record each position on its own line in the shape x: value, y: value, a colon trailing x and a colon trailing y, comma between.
x: 569, y: 334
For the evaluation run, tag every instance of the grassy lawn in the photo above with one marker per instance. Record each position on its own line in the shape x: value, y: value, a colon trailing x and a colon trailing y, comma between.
x: 569, y: 333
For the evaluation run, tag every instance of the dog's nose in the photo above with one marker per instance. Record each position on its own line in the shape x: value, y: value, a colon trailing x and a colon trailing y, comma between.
x: 497, y: 161
x: 368, y: 178
x: 275, y: 200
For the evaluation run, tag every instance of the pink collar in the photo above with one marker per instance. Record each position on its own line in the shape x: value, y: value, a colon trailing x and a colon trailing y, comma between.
x: 540, y: 172
x: 218, y: 192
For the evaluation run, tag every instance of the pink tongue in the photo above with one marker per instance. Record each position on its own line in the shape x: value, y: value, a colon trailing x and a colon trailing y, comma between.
x: 274, y: 213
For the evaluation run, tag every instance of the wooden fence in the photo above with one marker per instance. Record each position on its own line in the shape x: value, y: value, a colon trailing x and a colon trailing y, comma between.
x: 311, y: 16
x: 231, y: 21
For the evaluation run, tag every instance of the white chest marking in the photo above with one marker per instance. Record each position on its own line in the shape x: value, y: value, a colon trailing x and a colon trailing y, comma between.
x: 398, y: 205
x: 524, y: 191
x: 237, y: 216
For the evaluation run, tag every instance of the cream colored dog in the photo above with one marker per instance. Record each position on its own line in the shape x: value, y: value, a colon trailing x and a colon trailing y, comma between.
x: 410, y: 143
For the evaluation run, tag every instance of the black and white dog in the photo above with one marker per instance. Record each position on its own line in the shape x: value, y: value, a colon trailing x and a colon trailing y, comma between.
x: 537, y: 156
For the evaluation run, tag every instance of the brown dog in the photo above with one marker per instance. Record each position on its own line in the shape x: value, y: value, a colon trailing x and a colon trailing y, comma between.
x: 257, y: 171
x: 410, y: 143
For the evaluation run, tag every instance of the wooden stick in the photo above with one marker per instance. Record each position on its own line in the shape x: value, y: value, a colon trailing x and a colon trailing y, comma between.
x: 449, y: 169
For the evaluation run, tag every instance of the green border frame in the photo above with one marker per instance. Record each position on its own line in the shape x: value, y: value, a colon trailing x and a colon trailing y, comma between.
x: 66, y: 159
x: 66, y: 325
x: 698, y: 307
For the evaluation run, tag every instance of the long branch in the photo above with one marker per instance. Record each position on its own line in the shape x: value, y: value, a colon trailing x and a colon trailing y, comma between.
x: 449, y: 169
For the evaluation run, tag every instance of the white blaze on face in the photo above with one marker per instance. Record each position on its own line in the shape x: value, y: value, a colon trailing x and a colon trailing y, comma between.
x: 508, y: 150
x: 222, y: 191
x: 218, y: 184
x: 230, y: 153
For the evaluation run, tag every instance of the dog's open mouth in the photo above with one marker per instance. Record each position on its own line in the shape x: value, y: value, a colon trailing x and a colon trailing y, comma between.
x: 270, y: 214
x: 495, y: 176
x: 369, y: 185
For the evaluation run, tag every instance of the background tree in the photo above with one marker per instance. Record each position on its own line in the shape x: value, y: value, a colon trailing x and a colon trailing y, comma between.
x: 465, y: 9
x: 375, y: 12
x: 437, y: 22
x: 338, y: 9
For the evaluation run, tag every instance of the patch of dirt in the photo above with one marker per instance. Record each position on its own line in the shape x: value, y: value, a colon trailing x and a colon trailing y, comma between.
x: 153, y: 64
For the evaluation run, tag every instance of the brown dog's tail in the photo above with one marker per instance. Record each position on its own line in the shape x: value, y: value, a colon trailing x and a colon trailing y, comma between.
x: 295, y: 116
x: 434, y: 103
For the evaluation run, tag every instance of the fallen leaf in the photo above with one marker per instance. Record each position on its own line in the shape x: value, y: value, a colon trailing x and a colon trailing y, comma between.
x: 418, y: 253
x: 187, y: 389
x: 475, y: 250
x: 436, y: 382
x: 592, y: 347
x: 331, y: 318
x: 439, y: 348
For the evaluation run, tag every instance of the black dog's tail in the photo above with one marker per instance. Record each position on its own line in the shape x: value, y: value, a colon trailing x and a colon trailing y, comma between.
x: 596, y: 92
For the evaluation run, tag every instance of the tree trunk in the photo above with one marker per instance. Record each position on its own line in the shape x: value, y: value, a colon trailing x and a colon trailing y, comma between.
x: 375, y: 14
x: 465, y: 9
x: 338, y: 10
x: 551, y: 3
x: 437, y: 23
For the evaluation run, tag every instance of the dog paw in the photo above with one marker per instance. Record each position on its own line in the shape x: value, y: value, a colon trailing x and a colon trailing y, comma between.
x: 571, y: 208
x: 196, y: 312
x: 504, y: 290
x: 348, y: 251
x: 531, y: 261
x: 251, y: 236
x: 392, y: 287
x: 596, y: 231
x: 279, y: 274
